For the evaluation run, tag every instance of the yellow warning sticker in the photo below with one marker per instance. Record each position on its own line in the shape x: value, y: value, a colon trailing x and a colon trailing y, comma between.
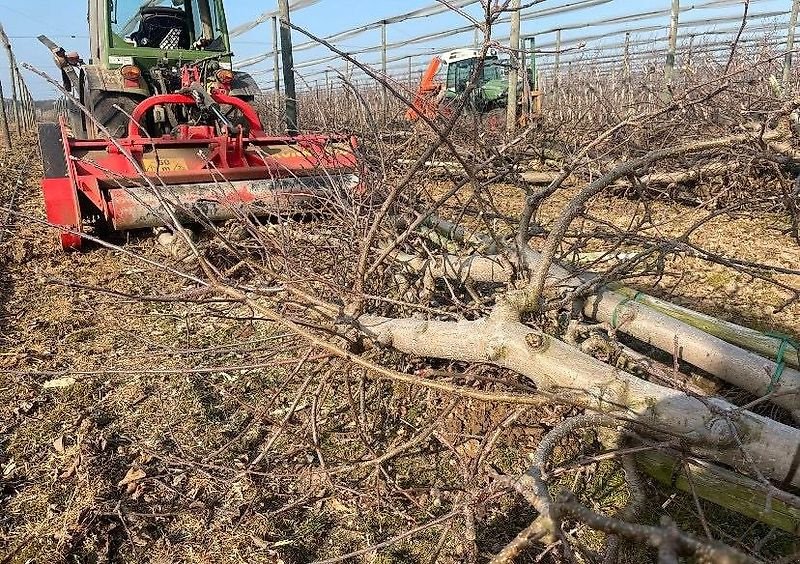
x: 164, y: 165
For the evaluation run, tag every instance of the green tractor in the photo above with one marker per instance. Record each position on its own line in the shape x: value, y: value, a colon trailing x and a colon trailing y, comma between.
x: 141, y: 48
x: 445, y: 81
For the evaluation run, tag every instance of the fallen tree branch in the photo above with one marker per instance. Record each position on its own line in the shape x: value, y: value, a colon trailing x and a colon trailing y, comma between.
x: 559, y: 369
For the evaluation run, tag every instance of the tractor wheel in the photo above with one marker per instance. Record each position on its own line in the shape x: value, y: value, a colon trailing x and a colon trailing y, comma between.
x: 103, y: 110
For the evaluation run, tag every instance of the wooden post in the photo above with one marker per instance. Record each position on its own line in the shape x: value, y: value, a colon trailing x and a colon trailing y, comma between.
x: 626, y: 59
x: 536, y: 94
x: 556, y: 78
x: 5, y: 134
x: 13, y: 65
x: 276, y: 64
x: 288, y: 69
x: 787, y: 59
x: 669, y: 69
x: 513, y: 73
x: 410, y: 74
x: 384, y: 71
x: 627, y: 94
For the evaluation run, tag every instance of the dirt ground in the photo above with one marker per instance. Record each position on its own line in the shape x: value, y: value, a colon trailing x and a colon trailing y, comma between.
x: 144, y: 451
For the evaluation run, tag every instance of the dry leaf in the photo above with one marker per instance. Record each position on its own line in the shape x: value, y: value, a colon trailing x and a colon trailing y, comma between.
x: 58, y: 444
x: 60, y: 383
x: 73, y: 468
x: 133, y: 475
x: 338, y: 506
x: 9, y: 468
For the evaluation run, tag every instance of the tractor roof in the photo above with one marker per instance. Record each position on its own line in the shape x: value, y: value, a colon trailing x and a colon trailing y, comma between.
x: 463, y: 54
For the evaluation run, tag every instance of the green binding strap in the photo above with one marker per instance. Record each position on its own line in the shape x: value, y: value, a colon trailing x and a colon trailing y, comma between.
x: 780, y: 361
x: 620, y: 305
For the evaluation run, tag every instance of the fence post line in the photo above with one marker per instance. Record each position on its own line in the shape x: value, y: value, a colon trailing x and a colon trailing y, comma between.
x: 20, y: 91
x: 384, y: 71
x: 787, y: 59
x: 288, y: 69
x: 669, y: 69
x: 276, y: 64
x: 4, y: 131
x: 30, y: 107
x: 30, y: 110
x: 23, y: 110
x: 513, y: 74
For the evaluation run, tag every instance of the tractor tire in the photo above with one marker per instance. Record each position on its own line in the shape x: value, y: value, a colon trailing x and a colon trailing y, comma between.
x: 116, y: 122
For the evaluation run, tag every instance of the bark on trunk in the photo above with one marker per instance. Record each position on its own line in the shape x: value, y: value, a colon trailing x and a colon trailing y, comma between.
x: 735, y: 365
x: 725, y: 360
x: 563, y: 370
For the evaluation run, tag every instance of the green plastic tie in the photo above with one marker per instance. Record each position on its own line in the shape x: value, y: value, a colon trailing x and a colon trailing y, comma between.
x: 620, y: 305
x: 780, y: 361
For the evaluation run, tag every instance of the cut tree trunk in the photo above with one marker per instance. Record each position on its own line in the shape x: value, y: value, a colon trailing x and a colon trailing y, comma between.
x: 764, y: 344
x: 712, y: 354
x: 733, y: 364
x: 562, y: 370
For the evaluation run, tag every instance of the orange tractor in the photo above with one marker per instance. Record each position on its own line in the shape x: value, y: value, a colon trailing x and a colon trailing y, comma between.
x: 444, y: 84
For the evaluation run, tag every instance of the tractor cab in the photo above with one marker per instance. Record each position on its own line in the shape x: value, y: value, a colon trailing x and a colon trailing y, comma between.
x: 492, y: 87
x: 445, y: 82
x: 146, y: 32
x: 460, y: 65
x: 182, y: 24
x: 142, y: 48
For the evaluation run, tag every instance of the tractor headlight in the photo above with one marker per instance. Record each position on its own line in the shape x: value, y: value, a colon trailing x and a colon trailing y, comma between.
x: 131, y: 72
x: 224, y: 76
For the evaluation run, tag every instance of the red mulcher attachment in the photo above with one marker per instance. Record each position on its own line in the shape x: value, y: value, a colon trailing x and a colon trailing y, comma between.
x: 194, y: 176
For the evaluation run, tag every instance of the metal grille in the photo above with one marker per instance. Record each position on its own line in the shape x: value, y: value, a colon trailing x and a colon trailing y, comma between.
x: 171, y: 39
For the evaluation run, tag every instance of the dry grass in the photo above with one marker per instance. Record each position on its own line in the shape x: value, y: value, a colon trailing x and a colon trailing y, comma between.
x: 185, y: 440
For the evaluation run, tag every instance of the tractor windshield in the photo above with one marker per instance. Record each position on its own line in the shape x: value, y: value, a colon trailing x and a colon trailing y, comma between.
x: 168, y: 24
x: 459, y: 73
x: 493, y: 70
